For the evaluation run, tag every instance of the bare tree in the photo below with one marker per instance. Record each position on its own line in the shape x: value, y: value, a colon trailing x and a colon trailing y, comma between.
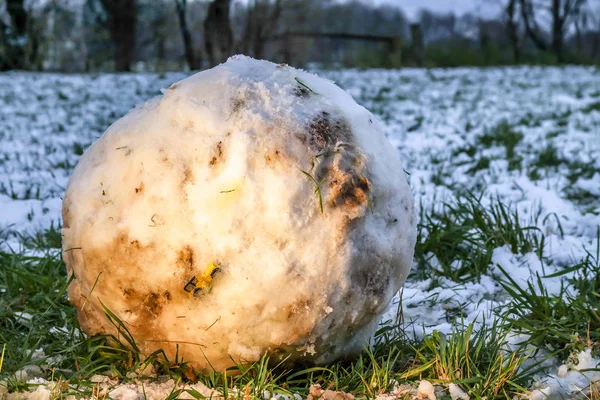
x: 581, y: 24
x: 192, y: 61
x: 531, y: 26
x: 296, y: 15
x: 159, y: 31
x: 512, y: 29
x: 562, y: 13
x: 64, y: 44
x: 119, y: 18
x: 261, y: 23
x: 20, y: 38
x: 218, y: 36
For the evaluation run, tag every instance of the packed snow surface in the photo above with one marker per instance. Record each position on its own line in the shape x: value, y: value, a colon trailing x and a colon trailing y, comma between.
x: 436, y: 120
x: 253, y: 208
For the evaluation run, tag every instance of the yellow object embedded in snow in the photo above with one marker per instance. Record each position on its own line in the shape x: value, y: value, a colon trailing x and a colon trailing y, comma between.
x: 219, y: 157
x: 197, y: 285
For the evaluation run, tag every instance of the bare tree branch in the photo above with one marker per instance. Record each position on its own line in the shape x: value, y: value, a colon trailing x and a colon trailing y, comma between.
x: 218, y: 35
x: 532, y: 32
x: 512, y: 29
x: 192, y: 61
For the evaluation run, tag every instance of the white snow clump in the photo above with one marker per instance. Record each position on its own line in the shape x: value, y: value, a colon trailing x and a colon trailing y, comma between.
x: 253, y: 208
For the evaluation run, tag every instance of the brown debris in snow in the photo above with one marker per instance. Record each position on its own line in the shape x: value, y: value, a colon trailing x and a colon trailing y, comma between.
x: 218, y: 158
x: 324, y: 133
x: 185, y: 258
x: 315, y: 392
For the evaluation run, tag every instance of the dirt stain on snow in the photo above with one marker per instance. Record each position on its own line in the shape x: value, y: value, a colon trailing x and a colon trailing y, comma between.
x: 218, y: 158
x: 185, y: 259
x: 325, y: 132
x: 273, y: 158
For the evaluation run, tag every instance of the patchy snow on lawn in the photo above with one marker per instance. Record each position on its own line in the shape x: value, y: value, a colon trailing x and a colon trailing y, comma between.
x: 527, y: 136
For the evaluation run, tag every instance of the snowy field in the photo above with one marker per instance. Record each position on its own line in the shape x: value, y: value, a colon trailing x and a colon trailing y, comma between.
x: 504, y: 164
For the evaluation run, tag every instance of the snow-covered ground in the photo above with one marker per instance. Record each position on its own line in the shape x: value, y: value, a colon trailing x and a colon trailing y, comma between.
x: 450, y: 128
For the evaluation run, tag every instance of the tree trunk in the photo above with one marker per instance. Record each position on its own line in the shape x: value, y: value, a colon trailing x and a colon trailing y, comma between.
x: 120, y: 22
x: 581, y: 24
x: 561, y: 13
x: 286, y: 47
x: 19, y: 48
x: 218, y: 36
x: 124, y: 35
x: 516, y: 54
x: 596, y: 46
x: 418, y: 47
x: 530, y: 25
x: 513, y: 32
x: 484, y: 42
x: 578, y: 40
x: 190, y: 57
x: 160, y: 53
x: 261, y: 23
x: 557, y: 31
x: 250, y: 31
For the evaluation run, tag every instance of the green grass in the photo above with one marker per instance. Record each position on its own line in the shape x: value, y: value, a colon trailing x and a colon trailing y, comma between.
x: 559, y: 322
x: 579, y: 169
x: 456, y: 241
x: 592, y: 107
x: 455, y: 247
x: 477, y: 359
x: 317, y: 187
x: 462, y: 236
x: 416, y: 125
x: 43, y: 240
x: 580, y: 196
x: 548, y: 157
x: 483, y: 163
x: 502, y: 134
x: 530, y: 120
x: 36, y: 286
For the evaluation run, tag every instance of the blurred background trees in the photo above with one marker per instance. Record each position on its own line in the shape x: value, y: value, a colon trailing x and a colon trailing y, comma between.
x: 158, y: 35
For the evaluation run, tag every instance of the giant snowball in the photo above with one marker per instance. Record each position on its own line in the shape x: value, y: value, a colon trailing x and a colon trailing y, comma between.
x: 253, y: 208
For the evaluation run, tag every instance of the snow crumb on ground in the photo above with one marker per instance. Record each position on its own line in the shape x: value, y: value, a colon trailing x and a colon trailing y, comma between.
x: 426, y: 390
x: 572, y: 380
x: 41, y: 393
x: 315, y: 392
x: 456, y: 393
x: 43, y: 390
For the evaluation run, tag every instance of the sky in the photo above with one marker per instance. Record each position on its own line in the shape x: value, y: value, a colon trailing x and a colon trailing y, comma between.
x: 485, y: 8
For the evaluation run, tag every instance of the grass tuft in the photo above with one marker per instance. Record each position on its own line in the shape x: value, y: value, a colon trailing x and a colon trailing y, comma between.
x: 304, y: 85
x: 548, y: 158
x: 457, y: 241
x: 564, y: 321
x: 475, y: 358
x: 502, y: 134
x: 317, y: 187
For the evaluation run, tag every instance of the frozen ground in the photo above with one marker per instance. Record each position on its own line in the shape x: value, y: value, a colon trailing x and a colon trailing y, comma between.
x: 524, y: 138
